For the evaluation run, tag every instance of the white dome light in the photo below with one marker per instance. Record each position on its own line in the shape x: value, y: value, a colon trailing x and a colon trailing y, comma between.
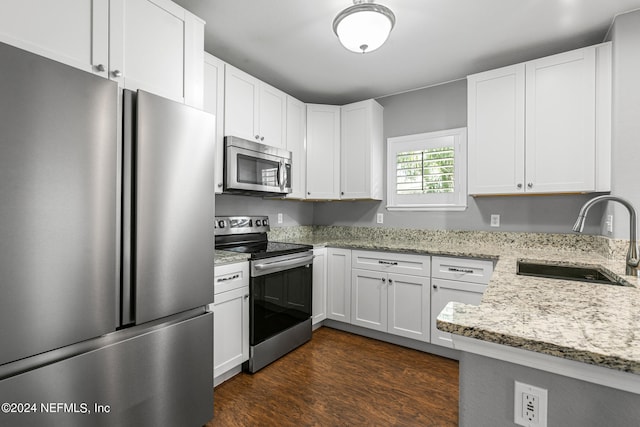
x: 364, y: 27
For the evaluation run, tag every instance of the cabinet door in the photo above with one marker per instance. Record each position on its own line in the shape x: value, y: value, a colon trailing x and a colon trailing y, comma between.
x: 73, y: 32
x: 369, y: 299
x: 241, y: 92
x: 560, y: 117
x: 445, y: 291
x: 361, y: 147
x: 496, y: 131
x: 409, y: 308
x: 147, y: 46
x: 296, y: 143
x: 323, y: 152
x: 231, y: 330
x: 339, y: 284
x: 272, y: 116
x: 213, y: 103
x: 319, y: 299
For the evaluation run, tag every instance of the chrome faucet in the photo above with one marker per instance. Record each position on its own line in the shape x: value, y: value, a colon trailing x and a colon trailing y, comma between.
x: 632, y: 253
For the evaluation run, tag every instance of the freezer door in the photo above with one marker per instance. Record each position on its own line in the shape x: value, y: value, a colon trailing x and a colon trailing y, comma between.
x: 173, y: 208
x: 58, y: 173
x: 141, y: 376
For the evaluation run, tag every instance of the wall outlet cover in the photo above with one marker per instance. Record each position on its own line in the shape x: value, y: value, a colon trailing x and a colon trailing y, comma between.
x: 530, y: 405
x: 380, y: 218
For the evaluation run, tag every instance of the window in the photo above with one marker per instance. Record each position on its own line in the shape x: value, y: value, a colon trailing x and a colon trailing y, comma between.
x: 427, y: 171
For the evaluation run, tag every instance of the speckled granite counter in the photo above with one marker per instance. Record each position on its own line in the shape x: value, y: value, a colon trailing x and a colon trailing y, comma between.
x: 592, y: 323
x: 227, y: 257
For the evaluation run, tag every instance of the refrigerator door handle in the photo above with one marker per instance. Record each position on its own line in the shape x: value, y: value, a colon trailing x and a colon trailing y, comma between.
x: 128, y: 192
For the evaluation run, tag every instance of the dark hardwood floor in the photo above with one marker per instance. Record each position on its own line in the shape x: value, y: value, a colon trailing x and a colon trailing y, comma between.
x: 340, y: 379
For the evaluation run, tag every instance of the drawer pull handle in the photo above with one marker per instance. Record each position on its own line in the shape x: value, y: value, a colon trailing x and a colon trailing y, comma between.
x: 460, y: 270
x: 224, y: 279
x: 387, y: 262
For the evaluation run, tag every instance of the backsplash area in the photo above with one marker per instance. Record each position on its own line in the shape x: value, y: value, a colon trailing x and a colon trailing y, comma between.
x: 606, y: 247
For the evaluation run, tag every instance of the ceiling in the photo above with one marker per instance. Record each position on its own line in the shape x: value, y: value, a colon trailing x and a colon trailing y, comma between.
x: 290, y: 44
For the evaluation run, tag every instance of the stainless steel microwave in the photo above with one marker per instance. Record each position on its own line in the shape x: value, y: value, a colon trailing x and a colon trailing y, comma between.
x: 255, y: 169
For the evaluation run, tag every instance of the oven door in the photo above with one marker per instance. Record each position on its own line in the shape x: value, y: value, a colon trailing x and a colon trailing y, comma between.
x: 250, y: 171
x: 280, y: 296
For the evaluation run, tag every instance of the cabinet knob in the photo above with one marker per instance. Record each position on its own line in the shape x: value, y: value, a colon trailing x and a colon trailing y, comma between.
x: 262, y: 138
x: 308, y: 193
x: 435, y: 286
x: 384, y: 280
x: 257, y: 136
x: 342, y: 193
x: 116, y: 73
x: 530, y: 185
x: 390, y: 282
x: 219, y: 185
x: 246, y: 297
x: 100, y: 68
x: 519, y: 186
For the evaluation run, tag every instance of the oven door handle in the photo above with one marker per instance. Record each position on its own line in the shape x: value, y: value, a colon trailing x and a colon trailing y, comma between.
x: 290, y: 263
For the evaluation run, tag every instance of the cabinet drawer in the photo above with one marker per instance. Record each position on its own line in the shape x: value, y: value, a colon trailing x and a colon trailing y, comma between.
x: 462, y: 269
x: 416, y: 265
x: 231, y: 276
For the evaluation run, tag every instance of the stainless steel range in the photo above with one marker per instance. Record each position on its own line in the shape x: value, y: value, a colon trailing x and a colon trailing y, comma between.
x: 280, y: 287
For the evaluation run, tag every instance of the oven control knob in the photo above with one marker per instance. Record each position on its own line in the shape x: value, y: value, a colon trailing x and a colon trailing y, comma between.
x: 265, y: 222
x: 221, y: 224
x: 258, y: 223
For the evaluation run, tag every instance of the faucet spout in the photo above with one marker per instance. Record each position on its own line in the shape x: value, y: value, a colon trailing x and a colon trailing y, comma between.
x: 632, y: 259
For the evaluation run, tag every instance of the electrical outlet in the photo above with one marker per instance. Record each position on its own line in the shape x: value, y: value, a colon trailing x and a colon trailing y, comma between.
x: 530, y: 406
x: 380, y: 218
x: 279, y: 218
x: 609, y: 223
x: 495, y: 220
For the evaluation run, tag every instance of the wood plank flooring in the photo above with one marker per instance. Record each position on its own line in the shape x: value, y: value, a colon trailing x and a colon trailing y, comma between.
x: 340, y: 379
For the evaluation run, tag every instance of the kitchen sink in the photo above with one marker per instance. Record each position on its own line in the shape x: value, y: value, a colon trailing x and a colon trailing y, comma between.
x: 569, y: 272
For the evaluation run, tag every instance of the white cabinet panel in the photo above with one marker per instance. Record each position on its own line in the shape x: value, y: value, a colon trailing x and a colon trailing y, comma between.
x: 69, y: 31
x: 272, y: 115
x: 231, y: 330
x: 390, y: 262
x: 369, y: 299
x: 339, y: 284
x: 445, y: 291
x: 296, y: 143
x: 323, y: 152
x: 496, y: 131
x: 213, y: 102
x: 319, y: 311
x: 361, y: 151
x: 408, y: 306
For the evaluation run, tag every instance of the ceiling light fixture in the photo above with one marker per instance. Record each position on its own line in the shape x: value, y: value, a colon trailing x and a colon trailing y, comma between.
x: 364, y: 27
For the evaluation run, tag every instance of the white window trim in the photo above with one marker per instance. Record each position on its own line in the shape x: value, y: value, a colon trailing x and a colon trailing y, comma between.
x: 460, y: 173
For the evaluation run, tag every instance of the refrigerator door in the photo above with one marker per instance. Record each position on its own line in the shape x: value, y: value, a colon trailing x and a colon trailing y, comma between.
x: 58, y: 173
x: 171, y: 256
x: 153, y: 375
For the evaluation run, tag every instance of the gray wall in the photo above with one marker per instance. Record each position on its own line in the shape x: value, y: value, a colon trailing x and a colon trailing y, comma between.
x: 487, y: 394
x: 293, y: 212
x: 444, y: 107
x: 625, y: 153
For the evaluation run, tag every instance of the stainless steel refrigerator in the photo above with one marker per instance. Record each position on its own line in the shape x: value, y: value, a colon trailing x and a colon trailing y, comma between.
x: 106, y: 251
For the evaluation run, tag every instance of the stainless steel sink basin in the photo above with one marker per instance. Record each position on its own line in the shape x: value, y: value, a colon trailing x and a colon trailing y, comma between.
x: 569, y: 272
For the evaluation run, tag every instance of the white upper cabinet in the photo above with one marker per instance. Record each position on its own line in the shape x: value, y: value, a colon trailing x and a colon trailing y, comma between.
x: 542, y: 126
x: 296, y: 143
x: 214, y: 103
x: 323, y: 152
x: 153, y: 45
x: 253, y: 109
x: 361, y: 151
x: 69, y: 31
x: 157, y: 46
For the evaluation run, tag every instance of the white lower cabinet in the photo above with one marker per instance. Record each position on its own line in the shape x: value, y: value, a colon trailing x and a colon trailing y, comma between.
x: 231, y: 317
x: 456, y: 279
x: 319, y: 299
x: 339, y: 284
x: 384, y: 299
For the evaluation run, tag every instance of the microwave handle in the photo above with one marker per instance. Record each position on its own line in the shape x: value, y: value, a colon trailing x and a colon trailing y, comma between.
x: 281, y: 174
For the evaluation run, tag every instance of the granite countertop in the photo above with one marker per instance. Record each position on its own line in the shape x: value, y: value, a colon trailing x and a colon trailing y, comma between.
x: 228, y: 257
x: 592, y: 323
